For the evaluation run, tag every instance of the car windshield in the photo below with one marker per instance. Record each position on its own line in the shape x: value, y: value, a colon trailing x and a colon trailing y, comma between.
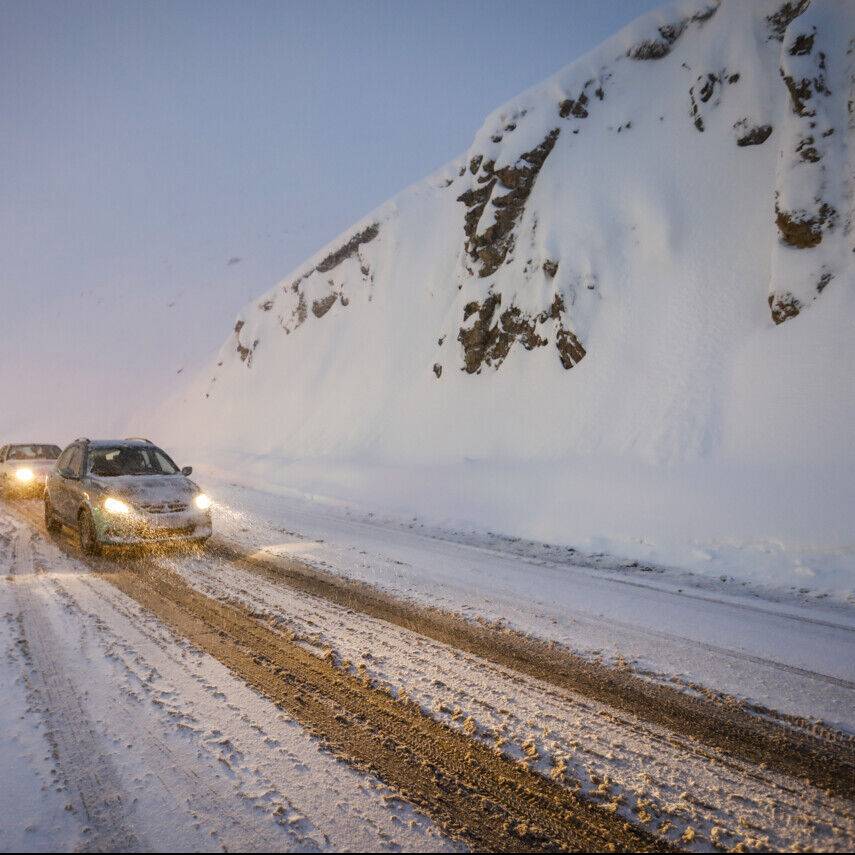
x: 130, y: 460
x: 33, y: 452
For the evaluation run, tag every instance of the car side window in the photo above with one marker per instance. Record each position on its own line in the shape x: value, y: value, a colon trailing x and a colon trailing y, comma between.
x: 76, y: 462
x: 62, y: 464
x: 164, y: 463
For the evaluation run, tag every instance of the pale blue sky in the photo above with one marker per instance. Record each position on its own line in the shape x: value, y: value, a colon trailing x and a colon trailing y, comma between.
x: 143, y: 144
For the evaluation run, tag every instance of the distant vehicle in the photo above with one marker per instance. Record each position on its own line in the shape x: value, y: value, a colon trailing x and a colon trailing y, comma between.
x: 124, y: 492
x: 24, y: 468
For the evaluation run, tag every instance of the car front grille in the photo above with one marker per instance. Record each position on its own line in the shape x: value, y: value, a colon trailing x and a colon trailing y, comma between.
x: 162, y: 533
x: 164, y: 507
x: 142, y: 532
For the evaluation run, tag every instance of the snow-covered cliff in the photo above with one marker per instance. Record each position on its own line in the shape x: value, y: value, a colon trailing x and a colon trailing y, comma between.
x: 626, y: 314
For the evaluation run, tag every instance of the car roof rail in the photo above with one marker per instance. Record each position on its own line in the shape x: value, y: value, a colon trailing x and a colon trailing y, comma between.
x: 138, y: 439
x: 82, y: 439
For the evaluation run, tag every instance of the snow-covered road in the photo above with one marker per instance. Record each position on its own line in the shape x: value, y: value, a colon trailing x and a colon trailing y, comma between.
x: 124, y: 726
x: 775, y: 649
x: 118, y: 735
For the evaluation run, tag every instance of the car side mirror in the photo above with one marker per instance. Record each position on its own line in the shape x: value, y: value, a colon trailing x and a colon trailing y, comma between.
x: 187, y: 471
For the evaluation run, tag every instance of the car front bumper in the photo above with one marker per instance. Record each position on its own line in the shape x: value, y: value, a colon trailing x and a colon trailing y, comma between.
x: 135, y: 529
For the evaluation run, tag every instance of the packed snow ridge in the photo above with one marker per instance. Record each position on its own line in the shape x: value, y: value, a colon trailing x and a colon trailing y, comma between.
x: 622, y: 318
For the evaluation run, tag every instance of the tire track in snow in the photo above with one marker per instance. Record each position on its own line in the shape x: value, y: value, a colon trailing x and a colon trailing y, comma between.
x: 296, y: 568
x: 641, y: 771
x: 476, y: 795
x: 76, y: 749
x: 219, y: 584
x: 263, y: 785
x: 782, y: 745
x: 202, y: 751
x: 205, y: 798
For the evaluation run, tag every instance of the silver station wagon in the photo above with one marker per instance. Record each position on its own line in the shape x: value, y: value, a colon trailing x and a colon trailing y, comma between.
x: 124, y: 492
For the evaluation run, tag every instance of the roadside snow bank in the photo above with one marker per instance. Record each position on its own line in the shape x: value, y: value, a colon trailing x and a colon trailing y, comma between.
x: 698, y: 518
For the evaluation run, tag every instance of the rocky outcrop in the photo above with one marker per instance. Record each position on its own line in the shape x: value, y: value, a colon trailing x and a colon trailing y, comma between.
x: 660, y: 47
x: 575, y: 107
x: 300, y: 311
x: 245, y: 353
x: 322, y: 306
x: 803, y: 230
x: 349, y: 249
x: 488, y: 248
x: 783, y: 307
x: 488, y: 339
x: 756, y: 135
x: 813, y: 171
x: 781, y: 19
x: 706, y: 94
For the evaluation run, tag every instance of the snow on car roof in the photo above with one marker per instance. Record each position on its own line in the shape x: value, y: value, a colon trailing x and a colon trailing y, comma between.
x: 104, y: 443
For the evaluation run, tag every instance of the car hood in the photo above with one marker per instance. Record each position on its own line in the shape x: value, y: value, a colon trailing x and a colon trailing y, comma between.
x: 147, y: 489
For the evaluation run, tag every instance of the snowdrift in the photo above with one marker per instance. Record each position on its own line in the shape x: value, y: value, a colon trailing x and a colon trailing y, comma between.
x: 623, y: 318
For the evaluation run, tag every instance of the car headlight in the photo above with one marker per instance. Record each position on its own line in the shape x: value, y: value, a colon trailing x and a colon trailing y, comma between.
x: 115, y: 506
x: 24, y: 475
x: 202, y: 502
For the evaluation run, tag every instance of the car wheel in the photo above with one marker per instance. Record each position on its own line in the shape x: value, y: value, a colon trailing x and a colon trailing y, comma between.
x: 52, y: 524
x: 86, y: 534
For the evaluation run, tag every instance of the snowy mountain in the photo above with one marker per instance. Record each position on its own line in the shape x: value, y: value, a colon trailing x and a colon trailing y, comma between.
x: 624, y: 317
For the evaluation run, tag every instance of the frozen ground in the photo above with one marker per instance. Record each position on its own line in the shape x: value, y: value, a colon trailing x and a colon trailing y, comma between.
x: 641, y: 771
x: 123, y: 735
x: 776, y: 648
x: 116, y: 735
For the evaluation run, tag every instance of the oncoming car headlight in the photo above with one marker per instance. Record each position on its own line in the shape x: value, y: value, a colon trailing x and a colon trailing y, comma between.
x: 24, y: 475
x: 202, y: 502
x: 115, y: 506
